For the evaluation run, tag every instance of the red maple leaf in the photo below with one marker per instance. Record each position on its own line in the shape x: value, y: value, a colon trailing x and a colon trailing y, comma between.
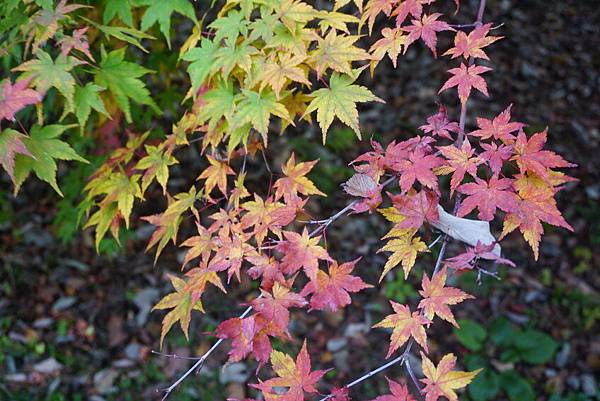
x: 330, y: 291
x: 267, y: 268
x: 409, y: 7
x: 499, y: 128
x: 416, y: 208
x: 340, y: 394
x: 460, y: 161
x: 426, y: 29
x: 487, y: 196
x: 232, y: 251
x: 249, y: 335
x: 14, y: 97
x: 439, y: 125
x: 468, y: 260
x: 274, y: 306
x: 296, y: 376
x: 467, y: 78
x: 419, y: 167
x: 399, y: 392
x: 437, y: 297
x: 471, y: 45
x: 531, y: 158
x: 301, y: 251
x: 495, y: 155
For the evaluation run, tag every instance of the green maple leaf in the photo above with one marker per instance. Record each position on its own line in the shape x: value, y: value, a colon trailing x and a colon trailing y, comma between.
x: 48, y: 73
x: 229, y: 27
x: 219, y: 103
x: 339, y: 100
x: 46, y: 148
x: 256, y: 108
x: 155, y: 165
x: 202, y: 62
x: 117, y: 8
x: 161, y: 10
x: 86, y: 99
x: 121, y: 78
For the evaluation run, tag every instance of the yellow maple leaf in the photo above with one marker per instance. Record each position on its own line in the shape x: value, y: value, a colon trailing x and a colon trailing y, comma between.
x: 216, y: 175
x: 441, y: 381
x: 404, y: 248
x: 404, y: 324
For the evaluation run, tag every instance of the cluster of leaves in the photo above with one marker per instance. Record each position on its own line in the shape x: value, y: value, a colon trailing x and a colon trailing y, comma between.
x: 261, y: 66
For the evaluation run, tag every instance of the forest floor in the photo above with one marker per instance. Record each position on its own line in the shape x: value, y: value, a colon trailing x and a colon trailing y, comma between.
x: 78, y: 326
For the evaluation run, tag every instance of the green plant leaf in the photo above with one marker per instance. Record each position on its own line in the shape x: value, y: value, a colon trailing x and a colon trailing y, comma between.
x: 48, y: 73
x: 470, y: 334
x: 517, y: 388
x: 201, y: 65
x: 121, y: 78
x: 502, y: 332
x: 339, y: 100
x: 485, y: 386
x: 86, y: 99
x: 535, y: 346
x: 117, y: 8
x: 160, y: 11
x: 46, y: 149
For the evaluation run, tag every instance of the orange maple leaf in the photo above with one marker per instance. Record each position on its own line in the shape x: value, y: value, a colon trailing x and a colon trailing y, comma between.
x: 295, y: 181
x: 301, y: 251
x: 216, y: 175
x: 437, y: 297
x: 404, y: 324
x: 471, y: 45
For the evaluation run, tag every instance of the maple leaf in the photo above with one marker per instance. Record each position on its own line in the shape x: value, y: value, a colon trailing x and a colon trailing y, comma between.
x: 78, y: 41
x: 441, y: 381
x: 15, y: 97
x: 499, y: 128
x: 274, y: 305
x: 330, y: 291
x: 243, y: 333
x: 155, y: 166
x: 416, y: 208
x: 295, y: 375
x: 439, y: 125
x: 340, y: 394
x: 121, y: 78
x: 419, y: 167
x: 11, y: 144
x: 256, y: 108
x: 437, y: 297
x: 301, y: 251
x: 399, y: 392
x: 466, y: 78
x: 339, y: 100
x: 46, y: 73
x: 181, y: 304
x: 404, y: 250
x: 199, y: 245
x: 160, y: 11
x: 198, y: 278
x: 278, y: 74
x: 531, y: 158
x: 409, y: 7
x: 467, y: 260
x: 230, y: 254
x: 265, y: 216
x: 44, y: 149
x: 391, y: 44
x: 87, y: 98
x: 495, y: 155
x: 374, y: 8
x: 268, y: 268
x: 426, y: 29
x: 487, y: 196
x: 117, y: 8
x: 534, y: 206
x: 295, y: 181
x: 460, y: 161
x: 216, y: 175
x: 404, y: 324
x: 337, y: 52
x: 471, y: 45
